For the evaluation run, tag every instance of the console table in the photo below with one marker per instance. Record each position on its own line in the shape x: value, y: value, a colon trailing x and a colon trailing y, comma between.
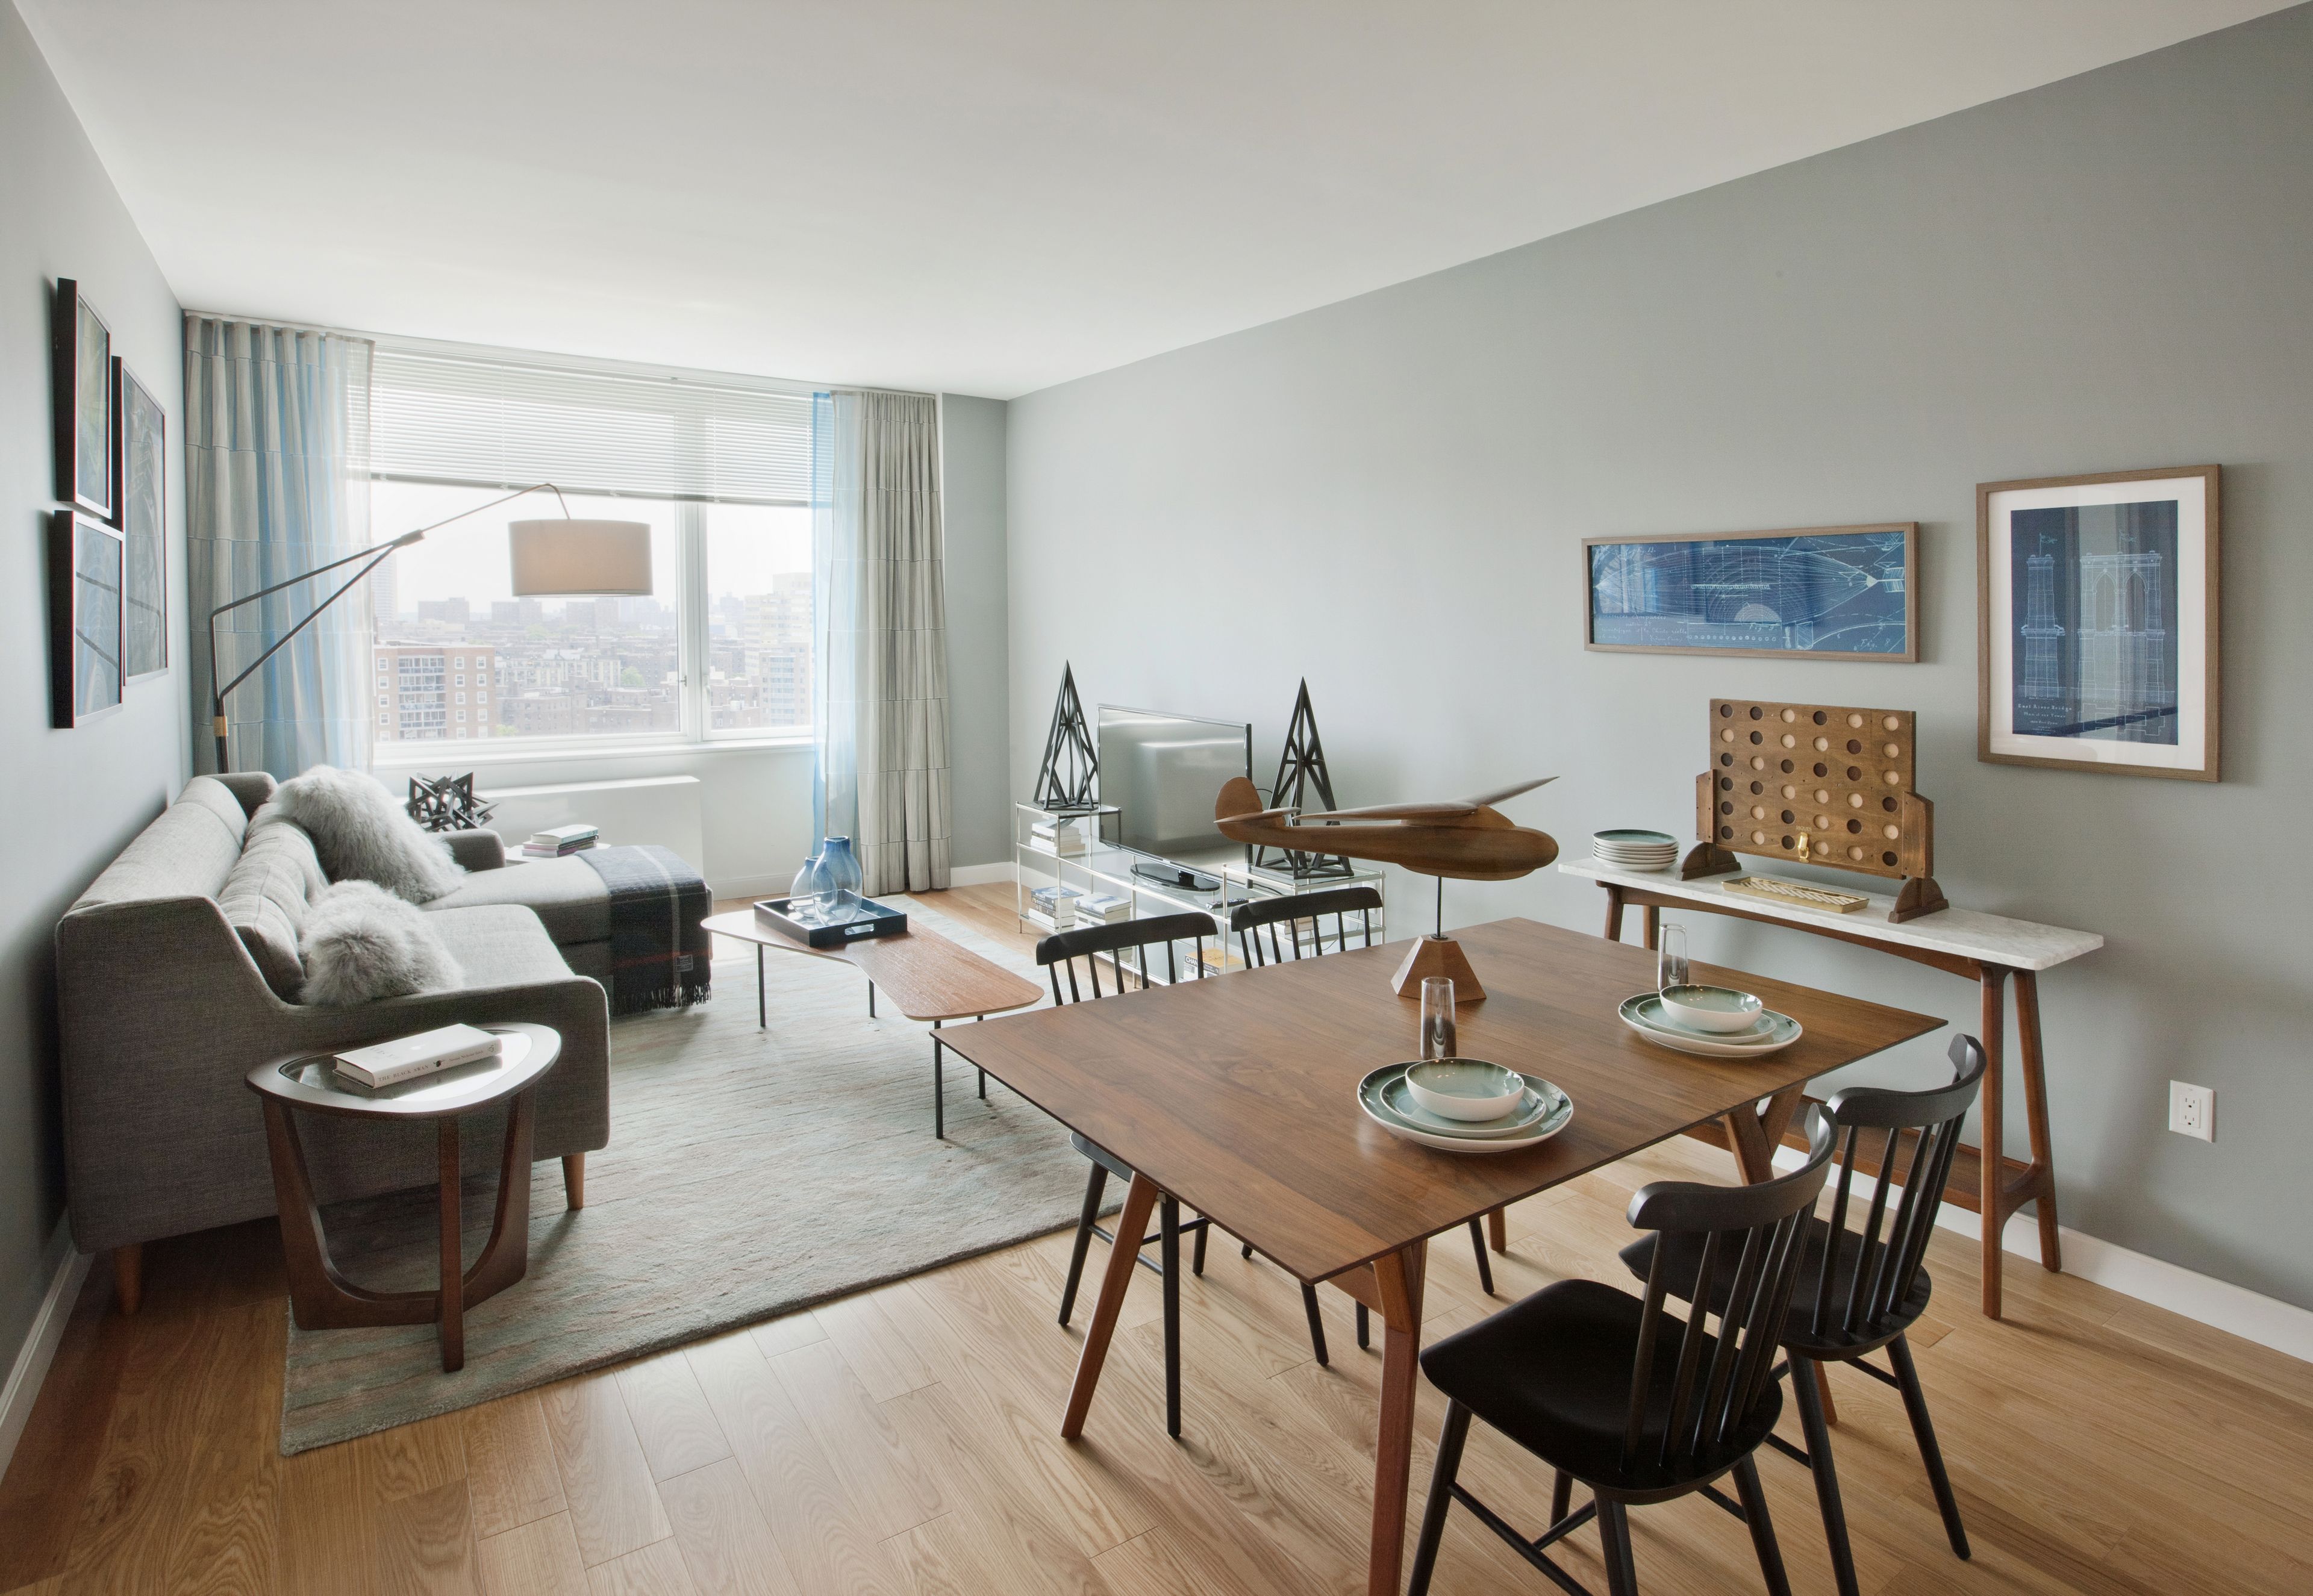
x: 1986, y: 949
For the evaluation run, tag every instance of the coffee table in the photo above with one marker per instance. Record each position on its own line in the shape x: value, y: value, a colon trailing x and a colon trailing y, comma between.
x: 324, y: 1299
x: 929, y: 976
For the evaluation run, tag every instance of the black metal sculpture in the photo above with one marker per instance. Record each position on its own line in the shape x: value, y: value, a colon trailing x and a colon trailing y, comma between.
x: 1298, y: 773
x: 1065, y: 780
x: 447, y: 804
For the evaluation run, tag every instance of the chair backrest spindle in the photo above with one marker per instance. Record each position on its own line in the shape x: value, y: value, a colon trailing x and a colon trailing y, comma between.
x: 1088, y: 944
x: 1250, y: 919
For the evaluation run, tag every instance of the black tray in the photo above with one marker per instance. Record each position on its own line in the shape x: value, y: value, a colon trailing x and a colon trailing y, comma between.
x: 871, y: 919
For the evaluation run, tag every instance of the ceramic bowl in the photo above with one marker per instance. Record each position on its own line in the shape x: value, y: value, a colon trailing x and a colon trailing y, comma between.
x: 1464, y: 1088
x: 1717, y: 1009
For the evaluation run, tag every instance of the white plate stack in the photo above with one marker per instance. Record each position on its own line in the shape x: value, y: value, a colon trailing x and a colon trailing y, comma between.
x: 1635, y: 850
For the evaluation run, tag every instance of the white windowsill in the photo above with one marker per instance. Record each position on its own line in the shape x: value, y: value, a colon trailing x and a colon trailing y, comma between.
x: 483, y: 752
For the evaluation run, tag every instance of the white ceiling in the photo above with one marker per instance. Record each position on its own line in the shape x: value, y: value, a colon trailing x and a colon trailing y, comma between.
x: 983, y: 197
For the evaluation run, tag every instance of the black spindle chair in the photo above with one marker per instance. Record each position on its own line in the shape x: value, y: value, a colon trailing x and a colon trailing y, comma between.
x: 1622, y: 1395
x: 1139, y: 938
x: 1878, y: 1285
x: 1282, y: 919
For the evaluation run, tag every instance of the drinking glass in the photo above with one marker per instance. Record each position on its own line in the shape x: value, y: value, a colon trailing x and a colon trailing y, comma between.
x: 1437, y: 1040
x: 1670, y: 959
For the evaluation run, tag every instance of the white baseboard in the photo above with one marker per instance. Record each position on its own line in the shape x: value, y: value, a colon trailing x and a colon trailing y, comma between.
x: 65, y: 1272
x: 2218, y: 1303
x: 978, y: 875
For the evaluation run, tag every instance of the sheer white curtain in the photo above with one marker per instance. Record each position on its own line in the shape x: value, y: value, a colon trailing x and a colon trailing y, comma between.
x: 880, y: 588
x: 276, y: 473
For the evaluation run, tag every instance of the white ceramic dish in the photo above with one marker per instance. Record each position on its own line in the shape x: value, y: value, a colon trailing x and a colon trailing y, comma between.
x: 1531, y: 1109
x: 1369, y: 1098
x: 1465, y: 1089
x: 1720, y: 1010
x: 1643, y: 1014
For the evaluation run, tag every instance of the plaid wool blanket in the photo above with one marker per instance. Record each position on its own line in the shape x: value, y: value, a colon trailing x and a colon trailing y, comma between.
x: 659, y: 952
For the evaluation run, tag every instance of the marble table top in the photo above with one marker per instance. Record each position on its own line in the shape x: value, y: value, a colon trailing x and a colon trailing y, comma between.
x: 1968, y: 933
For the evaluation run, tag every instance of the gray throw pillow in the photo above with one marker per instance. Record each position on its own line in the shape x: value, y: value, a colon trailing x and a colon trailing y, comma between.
x: 363, y: 834
x: 361, y: 942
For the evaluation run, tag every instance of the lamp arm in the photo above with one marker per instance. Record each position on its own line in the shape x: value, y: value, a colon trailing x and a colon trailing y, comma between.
x: 376, y: 554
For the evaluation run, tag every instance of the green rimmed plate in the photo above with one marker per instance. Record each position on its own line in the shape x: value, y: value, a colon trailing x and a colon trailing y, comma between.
x: 1556, y: 1110
x: 1643, y: 1014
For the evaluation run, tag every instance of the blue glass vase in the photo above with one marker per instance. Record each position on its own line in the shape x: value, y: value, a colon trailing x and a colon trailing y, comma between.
x: 807, y: 899
x: 843, y: 875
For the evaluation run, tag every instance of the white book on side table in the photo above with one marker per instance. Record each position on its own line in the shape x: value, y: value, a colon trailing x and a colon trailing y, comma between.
x: 405, y: 1058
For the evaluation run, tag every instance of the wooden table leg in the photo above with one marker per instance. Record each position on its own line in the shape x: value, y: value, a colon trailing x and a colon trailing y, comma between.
x: 2036, y: 1116
x: 1992, y: 1024
x: 1653, y: 922
x: 452, y: 1320
x: 1399, y: 1279
x: 1757, y: 1132
x: 1497, y: 1230
x: 1613, y: 932
x: 1133, y: 1223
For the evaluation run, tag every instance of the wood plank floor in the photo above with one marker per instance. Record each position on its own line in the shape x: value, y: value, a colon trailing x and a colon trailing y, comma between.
x: 903, y: 1440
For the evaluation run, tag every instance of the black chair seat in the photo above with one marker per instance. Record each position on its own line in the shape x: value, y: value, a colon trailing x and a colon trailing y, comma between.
x: 1798, y: 1333
x: 1553, y: 1373
x: 1101, y: 1156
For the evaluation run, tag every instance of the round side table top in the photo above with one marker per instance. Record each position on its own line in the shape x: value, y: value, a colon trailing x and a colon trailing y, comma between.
x: 525, y: 1053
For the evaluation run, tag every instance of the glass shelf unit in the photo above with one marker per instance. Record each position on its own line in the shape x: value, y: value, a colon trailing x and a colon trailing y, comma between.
x: 1100, y: 865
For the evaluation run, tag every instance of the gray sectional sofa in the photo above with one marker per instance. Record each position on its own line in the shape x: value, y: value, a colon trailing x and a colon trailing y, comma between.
x: 173, y: 981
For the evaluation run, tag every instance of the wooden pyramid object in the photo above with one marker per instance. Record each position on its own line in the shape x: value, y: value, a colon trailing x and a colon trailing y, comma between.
x: 1301, y: 772
x: 1064, y: 779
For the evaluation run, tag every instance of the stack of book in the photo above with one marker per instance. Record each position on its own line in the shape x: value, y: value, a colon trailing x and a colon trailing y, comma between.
x: 1056, y: 904
x: 557, y: 840
x: 1060, y: 835
x: 405, y: 1058
x: 1103, y: 908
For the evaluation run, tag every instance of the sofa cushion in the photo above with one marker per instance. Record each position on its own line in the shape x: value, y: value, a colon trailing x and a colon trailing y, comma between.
x: 499, y: 946
x: 362, y: 832
x: 186, y: 852
x: 265, y: 897
x: 567, y: 894
x: 362, y: 943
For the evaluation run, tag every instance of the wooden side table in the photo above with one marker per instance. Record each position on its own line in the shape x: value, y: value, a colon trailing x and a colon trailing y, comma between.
x: 324, y: 1299
x: 1985, y: 949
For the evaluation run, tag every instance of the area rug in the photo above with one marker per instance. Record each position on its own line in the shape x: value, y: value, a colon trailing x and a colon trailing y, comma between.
x: 750, y: 1172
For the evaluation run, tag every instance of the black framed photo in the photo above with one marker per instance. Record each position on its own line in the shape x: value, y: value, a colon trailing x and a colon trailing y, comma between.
x: 1834, y: 592
x: 142, y: 497
x: 87, y: 403
x: 86, y: 562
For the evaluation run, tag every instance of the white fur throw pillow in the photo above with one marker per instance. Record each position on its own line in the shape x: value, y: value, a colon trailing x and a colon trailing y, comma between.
x: 363, y: 834
x: 362, y: 943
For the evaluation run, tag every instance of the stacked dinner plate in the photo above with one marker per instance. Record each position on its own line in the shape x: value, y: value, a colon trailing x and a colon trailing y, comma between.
x: 1770, y: 1032
x: 1541, y: 1112
x: 1635, y: 850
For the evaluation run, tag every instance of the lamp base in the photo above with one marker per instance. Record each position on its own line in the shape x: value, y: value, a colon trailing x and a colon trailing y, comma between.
x: 1438, y: 956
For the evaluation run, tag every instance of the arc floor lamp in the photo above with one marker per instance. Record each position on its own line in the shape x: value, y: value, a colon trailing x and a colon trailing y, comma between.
x: 571, y: 557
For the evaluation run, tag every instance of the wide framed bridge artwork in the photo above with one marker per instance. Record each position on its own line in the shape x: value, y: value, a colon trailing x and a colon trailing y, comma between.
x: 1839, y: 592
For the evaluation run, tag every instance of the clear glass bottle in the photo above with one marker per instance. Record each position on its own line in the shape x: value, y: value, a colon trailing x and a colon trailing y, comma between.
x: 843, y: 877
x: 806, y: 899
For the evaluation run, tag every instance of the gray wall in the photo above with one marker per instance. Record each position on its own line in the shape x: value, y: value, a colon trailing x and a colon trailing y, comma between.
x: 1388, y: 495
x: 73, y: 798
x: 971, y: 509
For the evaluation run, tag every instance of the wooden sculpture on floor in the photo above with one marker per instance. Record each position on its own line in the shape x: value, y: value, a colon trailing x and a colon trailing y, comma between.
x: 1467, y: 838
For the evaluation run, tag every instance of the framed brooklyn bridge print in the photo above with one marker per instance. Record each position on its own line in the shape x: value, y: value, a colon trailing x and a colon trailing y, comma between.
x: 2097, y: 622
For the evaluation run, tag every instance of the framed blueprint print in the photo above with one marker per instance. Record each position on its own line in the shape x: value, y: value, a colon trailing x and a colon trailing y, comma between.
x: 1838, y: 593
x: 2097, y: 622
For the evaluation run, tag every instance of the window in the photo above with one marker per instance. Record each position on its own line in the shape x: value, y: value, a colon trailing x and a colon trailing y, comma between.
x: 718, y: 467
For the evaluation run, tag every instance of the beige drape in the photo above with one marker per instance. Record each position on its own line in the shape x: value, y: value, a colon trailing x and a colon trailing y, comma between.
x: 885, y: 630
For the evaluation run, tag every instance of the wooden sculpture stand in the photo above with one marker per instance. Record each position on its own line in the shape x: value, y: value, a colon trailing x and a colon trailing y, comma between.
x: 1438, y: 956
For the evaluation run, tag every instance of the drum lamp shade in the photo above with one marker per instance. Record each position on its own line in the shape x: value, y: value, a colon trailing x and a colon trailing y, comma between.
x: 575, y: 557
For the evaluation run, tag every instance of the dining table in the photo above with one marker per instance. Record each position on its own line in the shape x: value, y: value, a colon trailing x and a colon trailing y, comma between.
x: 1237, y: 1096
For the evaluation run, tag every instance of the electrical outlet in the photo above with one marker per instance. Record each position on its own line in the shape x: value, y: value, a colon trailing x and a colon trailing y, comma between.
x: 2192, y: 1110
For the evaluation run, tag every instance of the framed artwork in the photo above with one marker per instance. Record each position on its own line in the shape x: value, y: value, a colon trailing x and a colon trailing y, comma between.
x: 86, y: 560
x: 87, y: 407
x: 2097, y: 622
x: 1837, y: 592
x: 143, y: 487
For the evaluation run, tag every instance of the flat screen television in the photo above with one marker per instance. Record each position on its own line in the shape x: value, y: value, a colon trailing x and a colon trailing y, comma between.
x: 1162, y: 772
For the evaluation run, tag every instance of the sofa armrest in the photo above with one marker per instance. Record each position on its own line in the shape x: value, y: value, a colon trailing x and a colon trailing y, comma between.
x: 253, y: 788
x: 477, y: 850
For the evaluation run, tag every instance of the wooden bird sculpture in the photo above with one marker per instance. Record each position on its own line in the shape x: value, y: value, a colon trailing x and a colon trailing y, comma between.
x: 1467, y: 838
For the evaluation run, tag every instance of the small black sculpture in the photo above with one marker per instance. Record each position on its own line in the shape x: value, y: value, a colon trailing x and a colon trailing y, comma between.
x: 1065, y: 780
x: 448, y: 804
x: 1301, y: 769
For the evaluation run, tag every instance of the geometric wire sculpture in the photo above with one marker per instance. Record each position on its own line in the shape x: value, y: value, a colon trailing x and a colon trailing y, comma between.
x: 1065, y: 780
x: 1301, y: 769
x: 448, y: 804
